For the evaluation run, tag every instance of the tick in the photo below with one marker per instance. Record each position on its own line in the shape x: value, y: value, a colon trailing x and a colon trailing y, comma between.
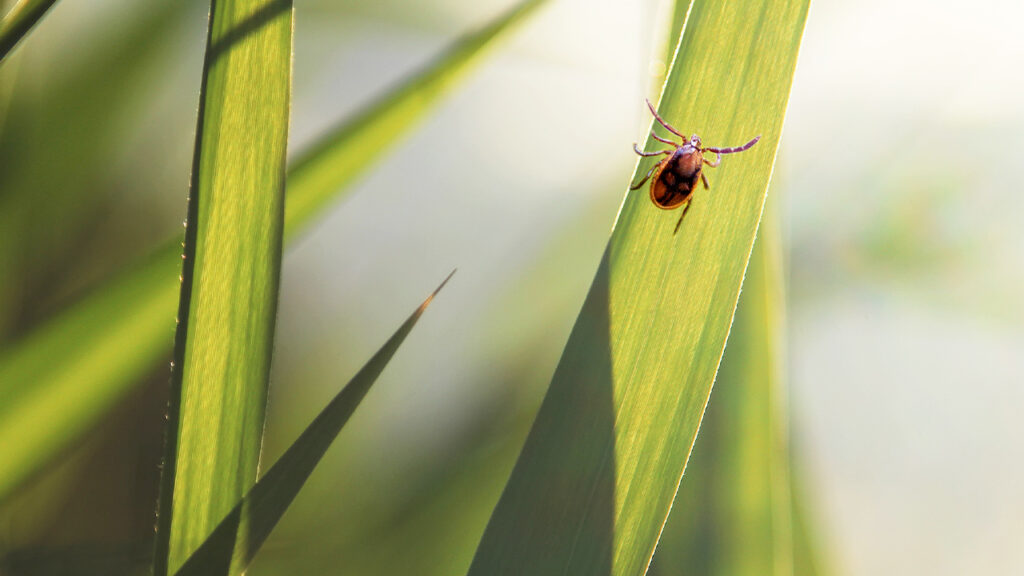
x: 675, y: 177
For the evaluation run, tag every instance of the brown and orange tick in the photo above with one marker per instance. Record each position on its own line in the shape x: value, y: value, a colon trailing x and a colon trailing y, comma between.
x: 676, y: 176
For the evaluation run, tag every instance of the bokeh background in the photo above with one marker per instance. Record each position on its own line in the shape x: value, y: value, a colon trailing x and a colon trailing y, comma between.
x: 897, y: 182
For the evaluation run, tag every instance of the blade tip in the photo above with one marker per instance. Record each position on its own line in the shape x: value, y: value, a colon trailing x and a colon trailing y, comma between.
x: 430, y: 298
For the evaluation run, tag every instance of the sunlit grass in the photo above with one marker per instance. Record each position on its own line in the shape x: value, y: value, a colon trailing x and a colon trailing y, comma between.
x: 111, y: 338
x: 230, y: 275
x: 596, y: 479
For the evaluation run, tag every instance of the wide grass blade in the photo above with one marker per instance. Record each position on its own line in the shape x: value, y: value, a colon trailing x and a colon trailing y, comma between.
x: 230, y: 276
x: 600, y: 468
x: 18, y: 22
x: 108, y: 340
x: 732, y: 513
x: 231, y: 547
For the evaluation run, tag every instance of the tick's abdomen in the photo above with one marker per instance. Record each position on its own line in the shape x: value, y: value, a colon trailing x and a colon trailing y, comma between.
x: 677, y: 178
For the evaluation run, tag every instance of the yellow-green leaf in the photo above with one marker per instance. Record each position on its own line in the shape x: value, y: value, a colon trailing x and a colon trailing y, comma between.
x: 732, y: 513
x: 230, y: 274
x: 600, y: 468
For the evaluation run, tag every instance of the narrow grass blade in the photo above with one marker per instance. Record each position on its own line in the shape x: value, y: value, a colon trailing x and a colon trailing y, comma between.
x: 231, y: 547
x: 106, y: 341
x: 7, y: 80
x: 732, y: 513
x: 600, y: 468
x: 230, y: 274
x: 18, y: 22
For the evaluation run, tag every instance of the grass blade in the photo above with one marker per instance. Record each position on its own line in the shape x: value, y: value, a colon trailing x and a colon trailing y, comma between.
x: 107, y: 340
x: 732, y: 513
x: 600, y: 468
x: 18, y: 22
x: 231, y: 547
x: 230, y: 274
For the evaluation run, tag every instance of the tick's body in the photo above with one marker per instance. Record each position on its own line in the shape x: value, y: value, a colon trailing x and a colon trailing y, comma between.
x: 675, y: 177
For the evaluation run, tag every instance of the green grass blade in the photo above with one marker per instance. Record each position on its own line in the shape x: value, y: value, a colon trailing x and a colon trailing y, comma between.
x: 230, y: 274
x: 109, y: 339
x: 600, y: 468
x: 231, y: 547
x: 732, y: 513
x: 18, y: 22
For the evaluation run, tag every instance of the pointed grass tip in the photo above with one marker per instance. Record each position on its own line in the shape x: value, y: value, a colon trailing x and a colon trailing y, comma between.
x: 434, y: 293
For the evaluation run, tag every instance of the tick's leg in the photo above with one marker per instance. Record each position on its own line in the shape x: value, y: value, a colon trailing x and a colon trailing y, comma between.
x: 685, y: 210
x: 734, y: 149
x: 704, y: 179
x: 663, y: 123
x: 645, y: 154
x: 665, y: 140
x: 718, y: 160
x: 647, y: 177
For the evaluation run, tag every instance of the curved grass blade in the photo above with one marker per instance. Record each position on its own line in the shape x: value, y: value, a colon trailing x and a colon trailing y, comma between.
x: 600, y: 468
x: 18, y: 22
x: 230, y: 275
x: 107, y: 340
x: 235, y: 541
x: 732, y: 513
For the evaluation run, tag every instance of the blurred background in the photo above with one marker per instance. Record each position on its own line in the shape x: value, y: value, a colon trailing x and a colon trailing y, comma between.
x: 897, y: 182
